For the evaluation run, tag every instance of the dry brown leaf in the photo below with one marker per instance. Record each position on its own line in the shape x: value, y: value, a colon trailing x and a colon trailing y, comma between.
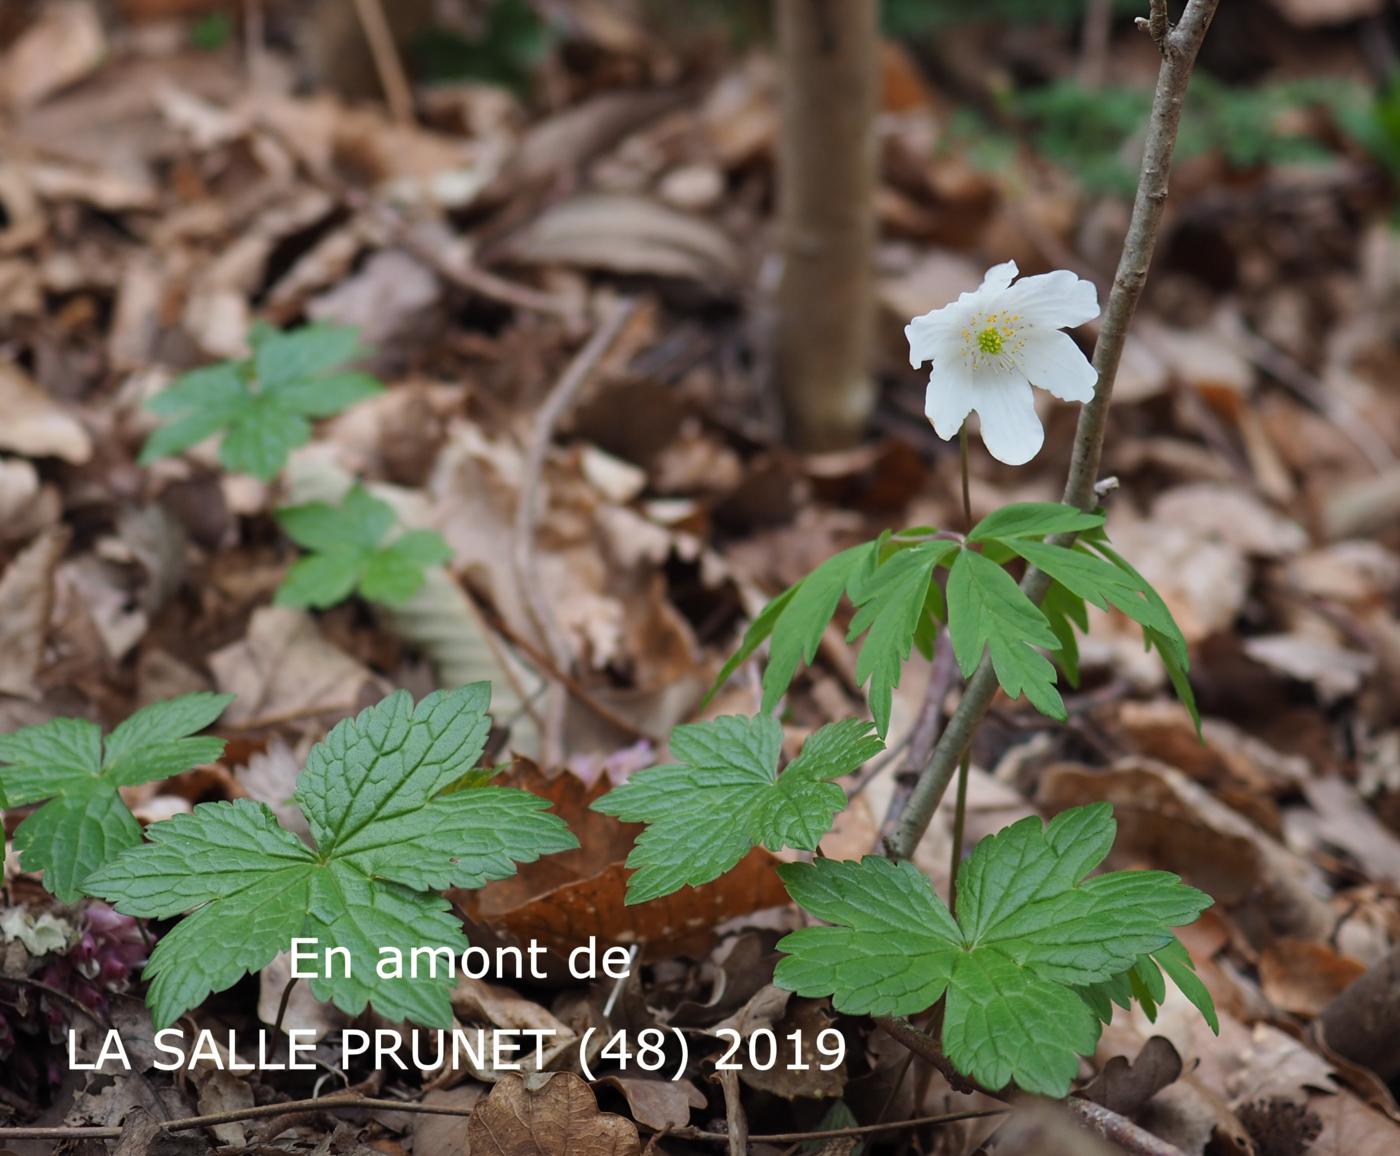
x: 285, y: 669
x: 1172, y: 822
x: 658, y: 1104
x: 1302, y: 977
x: 552, y: 1115
x: 564, y: 899
x: 1350, y: 1128
x: 477, y: 1002
x: 1343, y: 820
x: 26, y: 601
x: 62, y: 46
x: 35, y: 425
x: 445, y: 1135
x: 1124, y: 1086
x: 797, y: 1075
x: 629, y: 234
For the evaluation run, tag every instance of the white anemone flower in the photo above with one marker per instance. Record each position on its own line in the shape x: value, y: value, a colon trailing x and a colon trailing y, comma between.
x: 990, y: 346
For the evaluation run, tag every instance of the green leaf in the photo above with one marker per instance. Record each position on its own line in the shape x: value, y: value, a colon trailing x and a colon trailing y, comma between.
x: 796, y: 620
x: 1168, y: 641
x: 1095, y: 580
x: 987, y: 611
x: 385, y: 833
x: 798, y: 629
x: 724, y: 796
x: 1033, y: 520
x: 1064, y: 611
x: 286, y: 359
x: 1036, y: 948
x: 352, y: 555
x: 893, y: 602
x: 261, y: 406
x: 85, y: 823
x: 1143, y: 981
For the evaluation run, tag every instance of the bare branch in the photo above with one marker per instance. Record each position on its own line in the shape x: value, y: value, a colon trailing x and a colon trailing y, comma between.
x: 1182, y: 45
x: 1158, y: 25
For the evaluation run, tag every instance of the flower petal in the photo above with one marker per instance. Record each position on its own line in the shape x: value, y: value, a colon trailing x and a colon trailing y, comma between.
x: 1011, y: 430
x: 928, y: 332
x: 949, y: 400
x: 998, y: 277
x: 1053, y: 299
x: 1054, y: 362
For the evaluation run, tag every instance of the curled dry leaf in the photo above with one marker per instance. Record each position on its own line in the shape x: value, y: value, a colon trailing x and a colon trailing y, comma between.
x: 1124, y: 1086
x: 551, y: 1115
x: 629, y: 234
x: 564, y: 899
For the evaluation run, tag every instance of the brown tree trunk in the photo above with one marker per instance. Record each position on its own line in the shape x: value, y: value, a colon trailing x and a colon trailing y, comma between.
x: 826, y: 183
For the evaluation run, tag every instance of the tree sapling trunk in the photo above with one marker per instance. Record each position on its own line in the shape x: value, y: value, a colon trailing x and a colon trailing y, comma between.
x: 826, y: 181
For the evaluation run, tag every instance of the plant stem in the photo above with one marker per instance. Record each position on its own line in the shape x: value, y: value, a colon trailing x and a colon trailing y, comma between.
x: 959, y: 821
x: 966, y: 489
x: 1179, y: 49
x: 282, y: 1004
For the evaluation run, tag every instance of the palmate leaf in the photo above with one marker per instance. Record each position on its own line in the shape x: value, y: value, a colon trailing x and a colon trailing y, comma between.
x: 85, y: 823
x: 724, y: 796
x: 1032, y: 933
x: 1144, y: 982
x: 1088, y: 571
x: 889, y: 581
x: 263, y: 405
x: 351, y: 554
x: 892, y: 604
x: 988, y: 612
x: 386, y: 832
x: 795, y: 621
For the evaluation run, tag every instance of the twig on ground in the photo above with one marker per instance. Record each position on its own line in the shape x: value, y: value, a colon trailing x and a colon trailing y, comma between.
x: 736, y: 1123
x: 392, y: 78
x: 1179, y: 48
x: 1119, y: 1130
x: 527, y: 512
x: 339, y: 1102
x: 839, y: 1133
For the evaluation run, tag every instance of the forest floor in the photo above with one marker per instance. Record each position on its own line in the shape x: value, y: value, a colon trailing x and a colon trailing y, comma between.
x: 610, y: 543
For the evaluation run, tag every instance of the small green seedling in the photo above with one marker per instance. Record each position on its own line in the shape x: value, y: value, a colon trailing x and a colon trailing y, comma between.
x: 729, y: 767
x: 262, y: 406
x: 84, y: 823
x: 353, y: 552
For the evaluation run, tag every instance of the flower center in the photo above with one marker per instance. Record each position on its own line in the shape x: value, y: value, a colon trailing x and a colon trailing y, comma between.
x: 990, y: 341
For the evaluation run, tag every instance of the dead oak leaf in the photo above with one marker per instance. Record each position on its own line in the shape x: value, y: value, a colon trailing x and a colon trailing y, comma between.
x: 554, y: 1116
x: 564, y: 899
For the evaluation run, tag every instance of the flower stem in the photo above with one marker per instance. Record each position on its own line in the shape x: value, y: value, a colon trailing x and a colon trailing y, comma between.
x: 966, y: 490
x: 959, y: 822
x: 1179, y: 50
